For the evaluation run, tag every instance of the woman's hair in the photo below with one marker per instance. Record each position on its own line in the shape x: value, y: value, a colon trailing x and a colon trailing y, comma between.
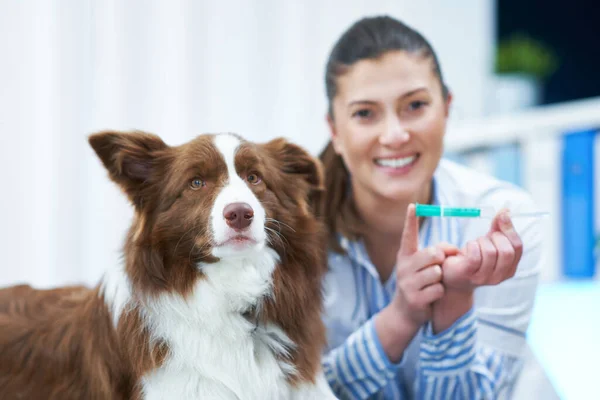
x: 368, y: 38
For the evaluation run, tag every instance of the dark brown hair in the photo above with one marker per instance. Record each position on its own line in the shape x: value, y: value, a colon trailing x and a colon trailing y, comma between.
x: 368, y: 38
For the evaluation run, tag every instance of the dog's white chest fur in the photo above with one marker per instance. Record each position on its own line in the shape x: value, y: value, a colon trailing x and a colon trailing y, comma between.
x: 216, y: 353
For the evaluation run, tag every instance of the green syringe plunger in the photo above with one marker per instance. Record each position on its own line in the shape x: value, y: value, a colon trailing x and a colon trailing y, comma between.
x: 430, y: 210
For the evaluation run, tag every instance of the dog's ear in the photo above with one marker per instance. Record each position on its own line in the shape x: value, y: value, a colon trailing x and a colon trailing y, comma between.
x: 133, y: 160
x: 295, y: 160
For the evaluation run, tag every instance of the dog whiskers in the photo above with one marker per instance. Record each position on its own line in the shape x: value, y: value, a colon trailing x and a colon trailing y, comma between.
x: 182, y: 236
x: 201, y: 251
x: 280, y: 223
x: 271, y: 234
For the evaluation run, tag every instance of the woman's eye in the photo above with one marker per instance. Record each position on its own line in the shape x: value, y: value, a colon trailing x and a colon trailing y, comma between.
x: 364, y: 113
x: 416, y: 105
x: 197, y: 183
x: 253, y: 179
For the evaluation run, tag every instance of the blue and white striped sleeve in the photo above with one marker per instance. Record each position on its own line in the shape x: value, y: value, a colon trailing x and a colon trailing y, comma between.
x: 359, y: 367
x: 455, y: 365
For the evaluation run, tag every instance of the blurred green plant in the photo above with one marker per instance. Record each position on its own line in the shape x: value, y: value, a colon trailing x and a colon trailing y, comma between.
x: 521, y: 54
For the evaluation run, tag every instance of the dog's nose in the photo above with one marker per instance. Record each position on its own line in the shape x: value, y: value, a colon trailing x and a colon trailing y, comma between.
x: 238, y: 215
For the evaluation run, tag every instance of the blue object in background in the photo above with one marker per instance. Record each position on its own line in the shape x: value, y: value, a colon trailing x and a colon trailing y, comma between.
x: 578, y: 218
x: 454, y: 156
x: 506, y: 161
x: 502, y: 161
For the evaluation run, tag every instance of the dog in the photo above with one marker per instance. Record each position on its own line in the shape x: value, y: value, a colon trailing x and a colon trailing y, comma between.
x: 219, y: 295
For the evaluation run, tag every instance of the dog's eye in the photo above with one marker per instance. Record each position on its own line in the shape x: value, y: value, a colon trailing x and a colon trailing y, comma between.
x: 253, y: 178
x: 197, y: 183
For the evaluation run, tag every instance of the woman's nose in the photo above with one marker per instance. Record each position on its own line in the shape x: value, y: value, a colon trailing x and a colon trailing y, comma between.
x: 394, y: 133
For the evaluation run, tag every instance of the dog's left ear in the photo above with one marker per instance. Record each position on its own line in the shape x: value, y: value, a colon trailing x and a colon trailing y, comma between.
x: 297, y: 161
x: 131, y: 158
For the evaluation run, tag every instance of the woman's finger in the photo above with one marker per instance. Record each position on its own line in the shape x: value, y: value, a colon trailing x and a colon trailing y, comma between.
x: 508, y: 229
x: 448, y: 249
x: 427, y: 276
x: 473, y: 258
x: 503, y: 223
x: 489, y: 255
x: 432, y: 293
x: 496, y: 222
x: 410, y: 234
x: 506, y: 258
x: 426, y: 258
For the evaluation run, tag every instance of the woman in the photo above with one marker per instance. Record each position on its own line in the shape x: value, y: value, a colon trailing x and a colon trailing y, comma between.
x: 430, y: 309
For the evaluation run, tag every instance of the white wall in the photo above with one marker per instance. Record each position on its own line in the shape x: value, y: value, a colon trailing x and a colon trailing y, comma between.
x: 462, y: 33
x: 176, y: 68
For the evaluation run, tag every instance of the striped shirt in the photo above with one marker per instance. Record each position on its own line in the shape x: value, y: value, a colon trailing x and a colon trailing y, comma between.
x: 479, y: 356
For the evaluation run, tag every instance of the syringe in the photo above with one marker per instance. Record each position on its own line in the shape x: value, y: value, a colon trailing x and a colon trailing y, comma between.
x: 428, y: 210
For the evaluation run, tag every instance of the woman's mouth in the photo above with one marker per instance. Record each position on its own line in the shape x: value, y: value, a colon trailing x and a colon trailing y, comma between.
x: 396, y: 163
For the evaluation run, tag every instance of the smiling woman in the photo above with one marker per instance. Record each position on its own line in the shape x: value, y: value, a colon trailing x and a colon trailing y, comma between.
x: 381, y: 104
x: 433, y: 308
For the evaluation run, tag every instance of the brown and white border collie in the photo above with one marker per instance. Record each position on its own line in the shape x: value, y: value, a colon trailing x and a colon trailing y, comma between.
x: 219, y: 296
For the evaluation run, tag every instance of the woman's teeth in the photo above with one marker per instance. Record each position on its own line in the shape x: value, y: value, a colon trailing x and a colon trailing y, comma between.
x: 395, y: 162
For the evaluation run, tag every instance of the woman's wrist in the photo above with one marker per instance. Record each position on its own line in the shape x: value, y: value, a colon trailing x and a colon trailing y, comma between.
x: 448, y: 309
x: 395, y: 332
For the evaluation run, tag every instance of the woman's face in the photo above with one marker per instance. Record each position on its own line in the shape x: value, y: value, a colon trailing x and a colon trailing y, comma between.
x: 389, y: 118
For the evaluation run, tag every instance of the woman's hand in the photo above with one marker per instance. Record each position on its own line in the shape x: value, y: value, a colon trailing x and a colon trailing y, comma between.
x: 489, y: 260
x: 418, y: 286
x: 418, y: 275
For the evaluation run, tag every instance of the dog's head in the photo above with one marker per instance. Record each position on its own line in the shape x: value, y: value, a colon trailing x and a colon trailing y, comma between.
x: 215, y: 197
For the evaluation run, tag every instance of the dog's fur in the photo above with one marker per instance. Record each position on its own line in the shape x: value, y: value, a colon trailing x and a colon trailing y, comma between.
x: 200, y: 309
